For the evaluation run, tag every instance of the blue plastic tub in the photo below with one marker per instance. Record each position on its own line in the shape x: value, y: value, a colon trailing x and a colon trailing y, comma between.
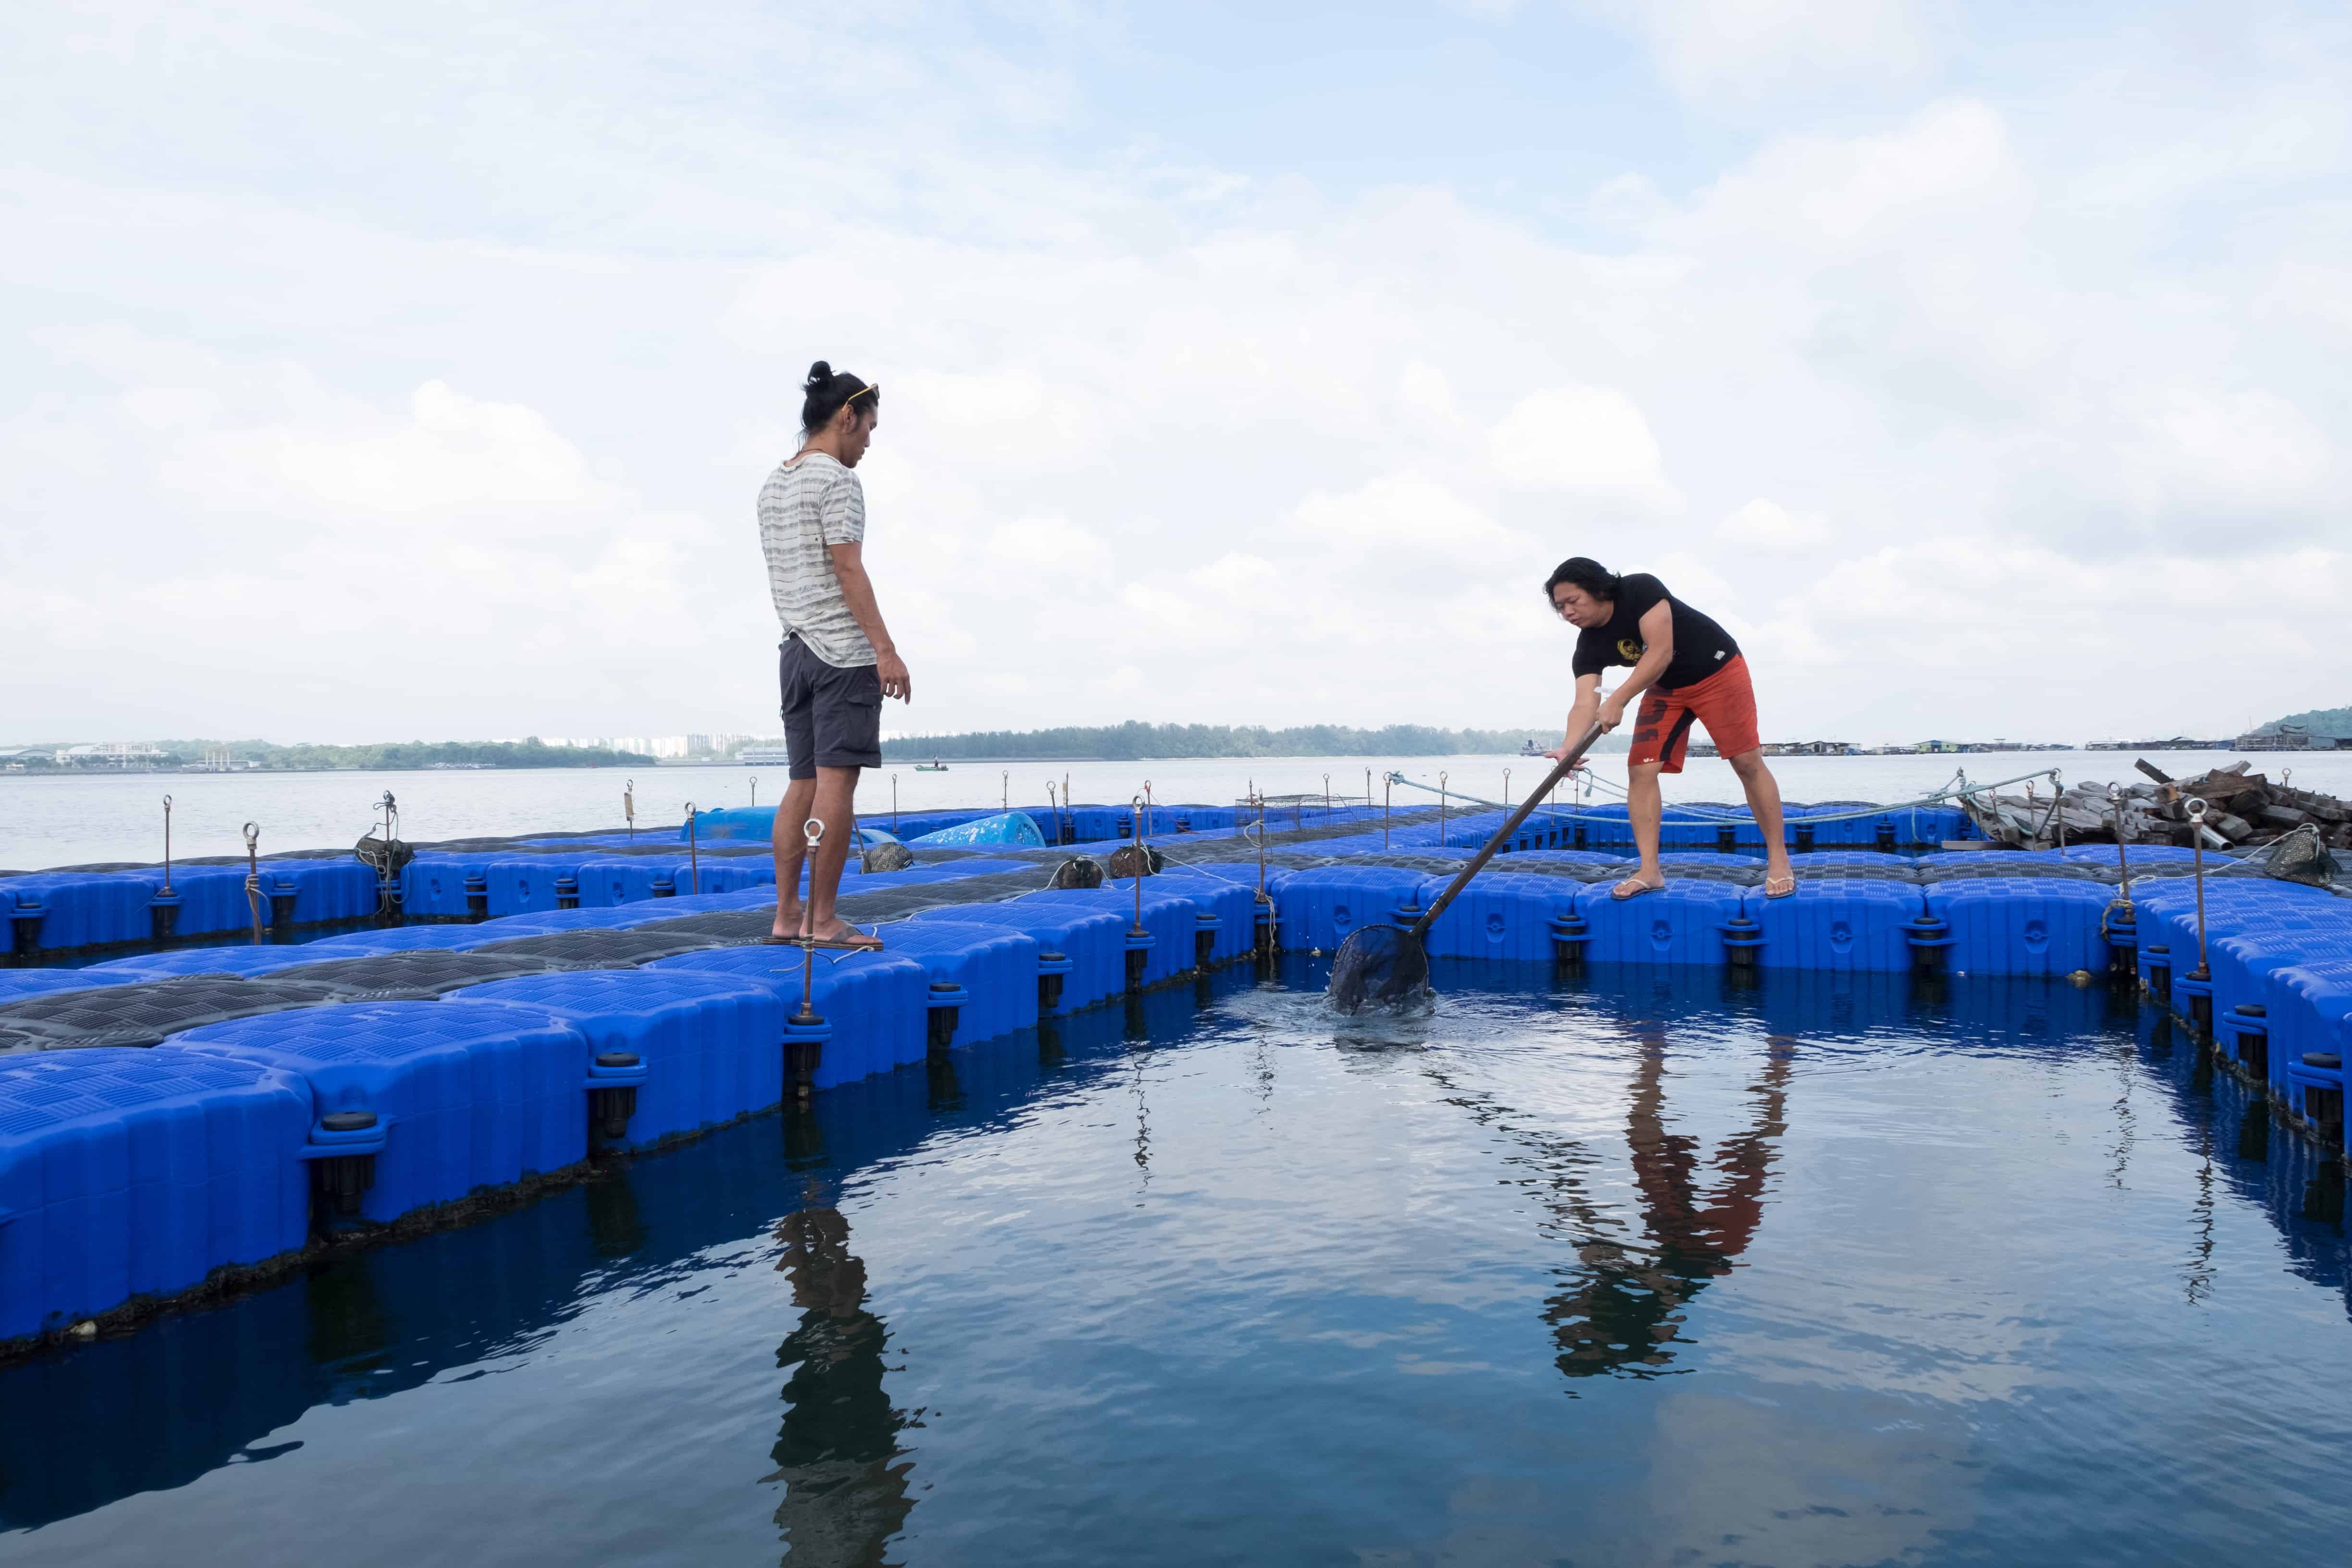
x: 434, y: 886
x: 997, y: 969
x: 1837, y: 924
x: 128, y: 1172
x: 1169, y: 918
x: 467, y: 1097
x: 1231, y: 904
x: 1682, y: 923
x: 324, y: 890
x: 212, y: 899
x: 614, y: 880
x: 77, y: 908
x: 712, y: 1045
x: 1500, y: 915
x: 1315, y: 910
x: 874, y: 1002
x: 1093, y: 942
x: 525, y: 884
x: 2022, y: 925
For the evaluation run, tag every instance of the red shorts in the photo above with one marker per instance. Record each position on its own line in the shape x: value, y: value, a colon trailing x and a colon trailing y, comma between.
x: 1724, y: 702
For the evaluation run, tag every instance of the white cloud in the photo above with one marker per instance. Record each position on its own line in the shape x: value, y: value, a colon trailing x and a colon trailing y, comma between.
x: 1588, y: 442
x: 1410, y: 512
x: 1747, y: 48
x: 453, y: 454
x: 1912, y: 385
x: 1770, y: 525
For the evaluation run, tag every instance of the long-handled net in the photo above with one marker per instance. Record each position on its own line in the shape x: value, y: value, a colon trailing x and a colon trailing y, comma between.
x: 1383, y: 965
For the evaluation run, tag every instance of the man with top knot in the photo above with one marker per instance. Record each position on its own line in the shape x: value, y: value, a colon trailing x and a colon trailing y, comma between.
x: 1686, y: 669
x: 837, y: 662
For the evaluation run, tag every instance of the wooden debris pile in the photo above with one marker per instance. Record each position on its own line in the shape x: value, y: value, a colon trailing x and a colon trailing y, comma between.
x: 2243, y: 809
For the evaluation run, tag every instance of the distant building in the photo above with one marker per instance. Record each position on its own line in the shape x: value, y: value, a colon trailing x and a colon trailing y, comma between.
x: 757, y: 757
x: 2178, y: 743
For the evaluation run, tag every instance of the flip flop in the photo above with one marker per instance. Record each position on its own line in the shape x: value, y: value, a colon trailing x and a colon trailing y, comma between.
x: 861, y: 942
x: 1640, y: 887
x: 1784, y: 892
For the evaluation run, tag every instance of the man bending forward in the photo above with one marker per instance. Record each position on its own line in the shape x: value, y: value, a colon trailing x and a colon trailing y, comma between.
x: 1691, y: 670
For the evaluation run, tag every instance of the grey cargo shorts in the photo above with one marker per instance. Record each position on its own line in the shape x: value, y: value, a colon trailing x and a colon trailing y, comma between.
x: 833, y: 716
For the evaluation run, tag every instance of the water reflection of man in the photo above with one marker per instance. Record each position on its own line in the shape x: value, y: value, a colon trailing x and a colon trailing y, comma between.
x: 844, y: 1498
x: 1632, y: 1303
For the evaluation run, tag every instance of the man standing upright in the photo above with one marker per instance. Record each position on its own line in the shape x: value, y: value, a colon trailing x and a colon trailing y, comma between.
x: 837, y: 662
x: 1690, y: 669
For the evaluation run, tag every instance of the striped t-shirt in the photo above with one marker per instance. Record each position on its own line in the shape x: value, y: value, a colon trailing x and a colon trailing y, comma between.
x: 805, y: 507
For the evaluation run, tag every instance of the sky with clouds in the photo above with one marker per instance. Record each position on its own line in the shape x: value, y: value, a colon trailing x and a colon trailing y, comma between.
x: 381, y: 372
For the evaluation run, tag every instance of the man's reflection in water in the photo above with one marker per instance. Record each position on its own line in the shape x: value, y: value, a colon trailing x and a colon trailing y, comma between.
x: 1631, y: 1298
x: 843, y: 1496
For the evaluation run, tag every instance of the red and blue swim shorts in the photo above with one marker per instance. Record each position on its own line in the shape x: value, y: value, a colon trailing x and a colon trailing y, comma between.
x: 1724, y: 702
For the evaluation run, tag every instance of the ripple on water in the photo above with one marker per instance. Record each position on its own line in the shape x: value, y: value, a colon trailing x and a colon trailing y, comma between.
x: 1632, y: 1268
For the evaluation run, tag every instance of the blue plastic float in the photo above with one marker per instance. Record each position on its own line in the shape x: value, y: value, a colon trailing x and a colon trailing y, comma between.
x: 130, y: 1172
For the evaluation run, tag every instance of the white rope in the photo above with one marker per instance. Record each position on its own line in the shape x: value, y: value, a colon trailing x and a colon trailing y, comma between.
x: 1958, y: 788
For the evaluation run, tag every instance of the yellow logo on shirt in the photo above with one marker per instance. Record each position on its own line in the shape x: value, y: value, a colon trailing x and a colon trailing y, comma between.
x: 1629, y: 650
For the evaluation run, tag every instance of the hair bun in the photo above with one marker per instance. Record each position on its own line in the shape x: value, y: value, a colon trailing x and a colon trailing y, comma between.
x: 819, y: 373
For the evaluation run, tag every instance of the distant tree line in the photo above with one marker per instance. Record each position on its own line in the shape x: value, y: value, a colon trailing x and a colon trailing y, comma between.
x: 395, y: 755
x: 1133, y: 742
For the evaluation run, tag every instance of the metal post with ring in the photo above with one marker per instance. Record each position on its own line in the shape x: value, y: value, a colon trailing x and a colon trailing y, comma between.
x: 163, y: 910
x: 253, y: 876
x: 2200, y: 983
x: 806, y: 1032
x: 1139, y: 940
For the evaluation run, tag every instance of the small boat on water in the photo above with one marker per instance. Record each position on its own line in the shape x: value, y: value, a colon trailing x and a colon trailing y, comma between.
x: 1533, y: 748
x: 933, y: 766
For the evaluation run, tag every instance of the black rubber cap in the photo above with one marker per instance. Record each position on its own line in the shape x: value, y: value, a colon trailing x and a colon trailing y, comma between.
x: 616, y: 1058
x: 1051, y: 957
x: 348, y: 1120
x: 943, y: 986
x: 1204, y: 919
x: 2159, y: 947
x: 2323, y: 1059
x: 2251, y: 1009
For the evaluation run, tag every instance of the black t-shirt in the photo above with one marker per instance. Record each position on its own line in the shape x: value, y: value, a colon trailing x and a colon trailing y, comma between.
x: 1701, y: 647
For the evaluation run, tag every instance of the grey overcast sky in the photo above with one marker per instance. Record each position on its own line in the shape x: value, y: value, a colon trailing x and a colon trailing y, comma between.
x: 411, y: 371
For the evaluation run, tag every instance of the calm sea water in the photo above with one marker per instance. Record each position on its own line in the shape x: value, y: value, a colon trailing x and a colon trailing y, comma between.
x: 70, y: 821
x: 1632, y: 1270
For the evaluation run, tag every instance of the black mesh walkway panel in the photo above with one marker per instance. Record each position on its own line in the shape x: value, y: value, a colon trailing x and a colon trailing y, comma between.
x: 727, y: 926
x: 425, y: 973
x: 602, y: 949
x: 897, y: 903
x: 1928, y: 871
x: 144, y: 1014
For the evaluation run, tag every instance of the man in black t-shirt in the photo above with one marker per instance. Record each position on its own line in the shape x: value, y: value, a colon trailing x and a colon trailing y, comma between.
x: 1690, y: 669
